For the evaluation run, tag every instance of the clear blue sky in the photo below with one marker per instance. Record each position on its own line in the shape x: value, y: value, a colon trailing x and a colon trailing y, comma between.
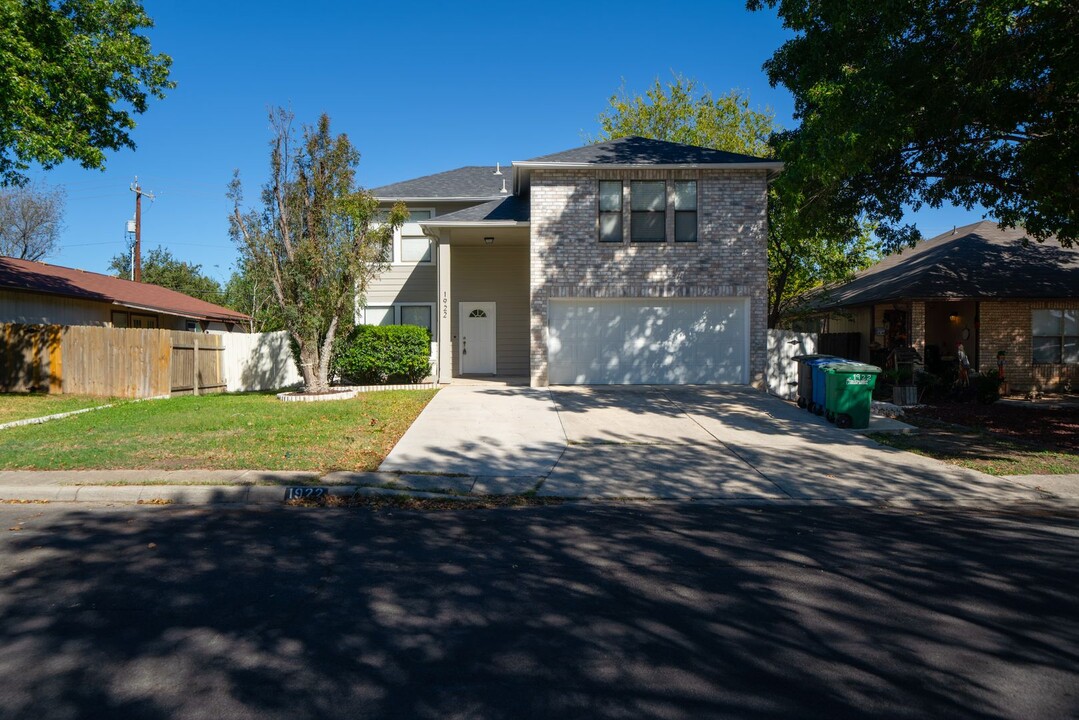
x: 419, y: 87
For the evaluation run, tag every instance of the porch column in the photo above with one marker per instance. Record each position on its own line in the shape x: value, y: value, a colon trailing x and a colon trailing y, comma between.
x: 917, y: 327
x: 445, y: 338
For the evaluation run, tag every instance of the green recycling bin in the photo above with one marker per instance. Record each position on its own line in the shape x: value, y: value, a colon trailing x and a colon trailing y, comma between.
x: 849, y: 393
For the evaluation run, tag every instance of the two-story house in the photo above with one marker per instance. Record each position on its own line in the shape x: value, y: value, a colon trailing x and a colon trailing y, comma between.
x: 634, y: 261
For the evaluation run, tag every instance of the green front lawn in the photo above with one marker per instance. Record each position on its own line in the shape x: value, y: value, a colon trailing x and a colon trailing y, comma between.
x: 220, y: 432
x: 20, y: 406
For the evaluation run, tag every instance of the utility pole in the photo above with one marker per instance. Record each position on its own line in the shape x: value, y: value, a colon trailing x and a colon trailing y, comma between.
x: 139, y: 192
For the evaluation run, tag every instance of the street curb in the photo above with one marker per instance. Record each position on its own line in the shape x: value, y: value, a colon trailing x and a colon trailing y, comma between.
x: 267, y: 495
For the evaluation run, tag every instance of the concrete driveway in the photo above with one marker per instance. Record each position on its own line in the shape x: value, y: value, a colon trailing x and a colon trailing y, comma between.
x: 721, y: 443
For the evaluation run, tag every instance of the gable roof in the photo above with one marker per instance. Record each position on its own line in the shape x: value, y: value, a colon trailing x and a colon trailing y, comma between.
x: 474, y: 182
x: 479, y: 182
x: 981, y: 261
x: 645, y: 151
x: 510, y: 210
x: 36, y: 277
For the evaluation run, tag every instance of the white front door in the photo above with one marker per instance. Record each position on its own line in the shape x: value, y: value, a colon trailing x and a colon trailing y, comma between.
x: 478, y: 338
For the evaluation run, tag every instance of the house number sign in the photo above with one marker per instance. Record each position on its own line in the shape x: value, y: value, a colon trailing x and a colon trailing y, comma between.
x: 304, y: 493
x: 445, y: 305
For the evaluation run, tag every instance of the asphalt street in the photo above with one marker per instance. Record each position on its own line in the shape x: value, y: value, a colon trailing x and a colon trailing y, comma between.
x: 606, y: 611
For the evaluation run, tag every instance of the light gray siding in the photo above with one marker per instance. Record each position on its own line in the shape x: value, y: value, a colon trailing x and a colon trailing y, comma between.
x: 500, y: 275
x: 404, y: 283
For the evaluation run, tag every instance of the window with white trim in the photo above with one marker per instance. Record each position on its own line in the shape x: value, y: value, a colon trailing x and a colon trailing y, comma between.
x: 421, y: 314
x: 415, y: 249
x: 379, y: 315
x: 418, y: 315
x: 1055, y: 336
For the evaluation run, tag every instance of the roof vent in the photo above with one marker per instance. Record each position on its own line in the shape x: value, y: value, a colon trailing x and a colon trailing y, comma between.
x: 498, y: 168
x: 504, y: 190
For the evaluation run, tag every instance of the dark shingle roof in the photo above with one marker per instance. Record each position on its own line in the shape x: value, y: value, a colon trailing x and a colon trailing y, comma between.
x: 474, y: 181
x: 981, y: 260
x: 38, y: 277
x: 645, y: 151
x: 505, y: 209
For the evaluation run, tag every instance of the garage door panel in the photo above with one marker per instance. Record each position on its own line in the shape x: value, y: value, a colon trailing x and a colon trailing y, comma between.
x: 648, y: 341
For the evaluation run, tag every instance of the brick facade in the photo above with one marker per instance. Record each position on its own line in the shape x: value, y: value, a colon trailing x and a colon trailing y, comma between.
x: 1006, y: 325
x: 729, y: 259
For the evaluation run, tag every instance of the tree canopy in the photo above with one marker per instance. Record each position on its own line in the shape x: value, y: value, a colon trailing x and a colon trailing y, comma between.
x: 801, y: 256
x: 904, y: 104
x: 72, y: 72
x: 160, y: 267
x: 31, y: 219
x: 317, y: 238
x: 679, y: 112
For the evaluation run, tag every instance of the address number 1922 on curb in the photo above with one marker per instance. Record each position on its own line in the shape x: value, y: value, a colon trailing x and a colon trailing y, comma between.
x: 304, y: 493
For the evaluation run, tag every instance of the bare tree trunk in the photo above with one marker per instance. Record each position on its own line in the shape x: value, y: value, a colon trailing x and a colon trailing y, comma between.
x: 308, y: 365
x: 327, y: 351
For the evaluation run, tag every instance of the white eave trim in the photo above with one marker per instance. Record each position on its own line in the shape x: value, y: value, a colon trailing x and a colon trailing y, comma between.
x: 474, y: 223
x: 485, y: 198
x: 767, y: 165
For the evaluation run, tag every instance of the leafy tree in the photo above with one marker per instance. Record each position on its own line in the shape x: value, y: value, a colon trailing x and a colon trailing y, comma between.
x: 801, y: 255
x: 925, y: 103
x: 30, y: 221
x: 252, y: 294
x: 679, y: 113
x: 159, y: 267
x: 71, y: 73
x: 316, y: 238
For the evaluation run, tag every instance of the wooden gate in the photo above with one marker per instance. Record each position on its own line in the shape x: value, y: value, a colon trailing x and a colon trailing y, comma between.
x: 197, y: 363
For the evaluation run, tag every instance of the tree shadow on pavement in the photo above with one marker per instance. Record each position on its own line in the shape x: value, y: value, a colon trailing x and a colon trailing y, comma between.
x: 598, y: 612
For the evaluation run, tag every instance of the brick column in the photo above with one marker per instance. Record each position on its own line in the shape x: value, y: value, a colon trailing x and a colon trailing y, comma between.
x: 917, y: 326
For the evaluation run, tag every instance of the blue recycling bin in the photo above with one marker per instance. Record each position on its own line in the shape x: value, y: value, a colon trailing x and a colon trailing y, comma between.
x: 817, y: 365
x: 805, y: 377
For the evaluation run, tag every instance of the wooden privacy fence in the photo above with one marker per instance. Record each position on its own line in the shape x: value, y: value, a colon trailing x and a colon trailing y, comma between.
x: 121, y: 362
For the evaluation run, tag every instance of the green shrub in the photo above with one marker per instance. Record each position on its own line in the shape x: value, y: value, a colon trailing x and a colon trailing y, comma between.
x: 986, y: 386
x: 383, y: 354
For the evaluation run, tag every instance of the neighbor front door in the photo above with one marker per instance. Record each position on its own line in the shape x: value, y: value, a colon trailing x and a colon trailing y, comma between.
x: 478, y: 338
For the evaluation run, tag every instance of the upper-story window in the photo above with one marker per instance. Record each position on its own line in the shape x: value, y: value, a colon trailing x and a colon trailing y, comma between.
x: 1055, y: 336
x: 610, y: 211
x: 685, y: 211
x: 648, y: 206
x: 415, y: 249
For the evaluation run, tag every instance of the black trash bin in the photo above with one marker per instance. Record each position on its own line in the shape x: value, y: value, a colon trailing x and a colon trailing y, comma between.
x: 805, y: 378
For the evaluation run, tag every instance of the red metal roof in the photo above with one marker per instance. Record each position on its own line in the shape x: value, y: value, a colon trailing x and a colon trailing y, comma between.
x: 39, y: 277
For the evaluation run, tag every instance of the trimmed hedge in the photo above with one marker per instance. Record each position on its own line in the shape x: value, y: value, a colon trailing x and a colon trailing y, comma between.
x: 384, y: 354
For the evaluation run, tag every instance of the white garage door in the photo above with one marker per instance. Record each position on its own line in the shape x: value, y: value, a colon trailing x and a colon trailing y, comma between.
x: 697, y: 341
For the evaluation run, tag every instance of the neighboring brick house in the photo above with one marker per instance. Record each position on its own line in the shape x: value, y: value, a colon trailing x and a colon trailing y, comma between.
x: 633, y: 261
x: 980, y: 285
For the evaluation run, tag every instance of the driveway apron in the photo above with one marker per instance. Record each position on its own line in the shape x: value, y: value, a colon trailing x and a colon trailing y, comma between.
x: 482, y: 431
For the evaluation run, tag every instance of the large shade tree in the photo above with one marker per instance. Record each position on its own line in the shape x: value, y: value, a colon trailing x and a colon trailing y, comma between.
x: 317, y: 238
x: 72, y: 74
x: 801, y: 255
x: 904, y: 104
x: 31, y: 218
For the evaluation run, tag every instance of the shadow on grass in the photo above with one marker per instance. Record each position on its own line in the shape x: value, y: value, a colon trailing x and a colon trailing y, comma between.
x: 555, y: 612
